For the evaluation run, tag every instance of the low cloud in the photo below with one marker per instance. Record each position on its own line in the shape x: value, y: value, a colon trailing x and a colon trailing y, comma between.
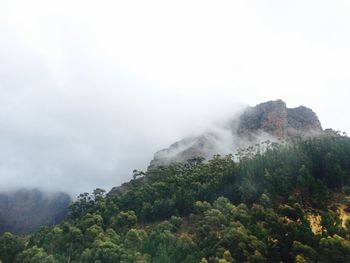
x: 91, y: 128
x: 89, y: 91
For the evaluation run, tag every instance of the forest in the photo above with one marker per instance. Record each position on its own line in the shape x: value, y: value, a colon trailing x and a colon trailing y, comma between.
x: 268, y: 203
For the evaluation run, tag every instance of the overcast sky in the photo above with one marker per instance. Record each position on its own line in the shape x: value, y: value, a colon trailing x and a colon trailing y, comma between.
x: 89, y: 90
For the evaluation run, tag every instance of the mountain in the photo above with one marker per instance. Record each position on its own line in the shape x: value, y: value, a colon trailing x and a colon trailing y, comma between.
x: 289, y: 203
x: 24, y: 211
x: 270, y: 120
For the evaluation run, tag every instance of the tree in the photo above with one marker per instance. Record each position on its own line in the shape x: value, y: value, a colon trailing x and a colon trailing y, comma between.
x: 36, y: 255
x: 331, y: 223
x: 334, y: 249
x: 124, y: 220
x: 10, y: 246
x: 304, y: 252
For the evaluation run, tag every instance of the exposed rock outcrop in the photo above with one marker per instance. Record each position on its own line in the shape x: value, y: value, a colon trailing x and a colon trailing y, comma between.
x: 274, y: 118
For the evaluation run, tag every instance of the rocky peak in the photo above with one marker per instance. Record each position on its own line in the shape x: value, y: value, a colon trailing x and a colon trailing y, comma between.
x: 274, y: 118
x: 270, y: 120
x: 270, y: 117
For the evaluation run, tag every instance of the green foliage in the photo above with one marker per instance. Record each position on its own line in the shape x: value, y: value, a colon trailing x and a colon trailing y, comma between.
x: 10, y: 246
x: 331, y: 223
x: 36, y: 255
x: 334, y: 249
x: 254, y: 210
x: 124, y: 220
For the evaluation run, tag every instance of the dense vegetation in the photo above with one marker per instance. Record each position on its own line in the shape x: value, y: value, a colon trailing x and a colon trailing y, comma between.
x: 284, y: 204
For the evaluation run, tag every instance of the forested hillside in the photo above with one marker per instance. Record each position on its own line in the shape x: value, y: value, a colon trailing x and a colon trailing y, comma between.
x: 270, y: 203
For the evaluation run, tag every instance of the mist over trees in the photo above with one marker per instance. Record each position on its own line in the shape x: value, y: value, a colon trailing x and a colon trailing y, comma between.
x: 287, y: 203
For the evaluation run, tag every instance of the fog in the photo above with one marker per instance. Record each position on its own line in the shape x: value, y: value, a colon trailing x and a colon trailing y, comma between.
x: 91, y: 90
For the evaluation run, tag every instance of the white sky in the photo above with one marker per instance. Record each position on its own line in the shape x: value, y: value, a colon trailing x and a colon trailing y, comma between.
x: 90, y: 90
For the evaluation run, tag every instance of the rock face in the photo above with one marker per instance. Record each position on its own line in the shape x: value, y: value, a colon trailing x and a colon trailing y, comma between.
x: 276, y: 119
x: 270, y: 117
x: 24, y: 211
x: 302, y: 120
x: 270, y: 120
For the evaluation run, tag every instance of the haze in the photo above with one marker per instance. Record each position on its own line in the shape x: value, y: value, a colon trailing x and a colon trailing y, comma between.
x: 90, y: 90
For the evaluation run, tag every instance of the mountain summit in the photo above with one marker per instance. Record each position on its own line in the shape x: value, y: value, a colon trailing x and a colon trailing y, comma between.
x: 274, y: 118
x: 270, y: 120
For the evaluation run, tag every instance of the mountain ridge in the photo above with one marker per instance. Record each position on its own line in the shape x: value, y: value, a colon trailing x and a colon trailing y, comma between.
x: 270, y: 120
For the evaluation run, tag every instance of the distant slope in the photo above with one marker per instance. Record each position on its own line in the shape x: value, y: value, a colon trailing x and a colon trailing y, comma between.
x: 24, y: 211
